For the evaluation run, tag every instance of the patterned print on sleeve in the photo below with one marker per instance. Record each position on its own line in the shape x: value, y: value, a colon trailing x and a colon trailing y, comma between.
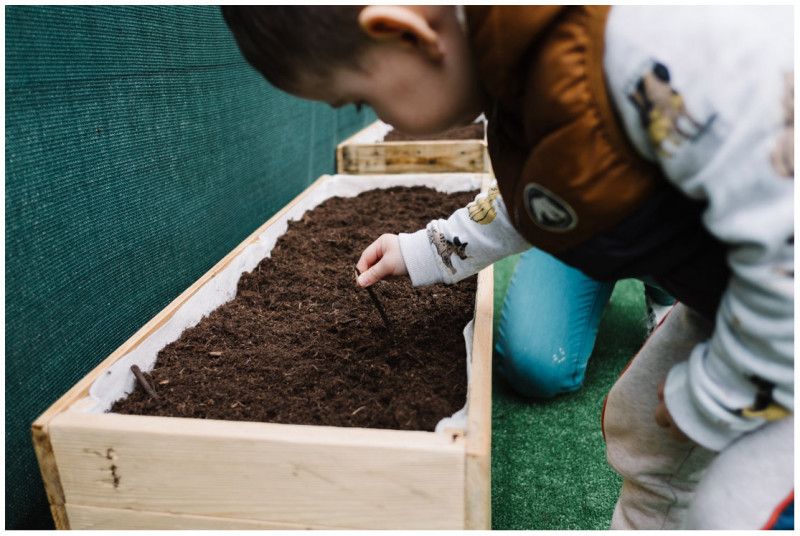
x: 764, y: 407
x: 483, y: 210
x: 445, y: 248
x: 663, y: 112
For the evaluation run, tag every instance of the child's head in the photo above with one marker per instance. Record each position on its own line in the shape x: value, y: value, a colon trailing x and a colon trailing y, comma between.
x: 410, y: 63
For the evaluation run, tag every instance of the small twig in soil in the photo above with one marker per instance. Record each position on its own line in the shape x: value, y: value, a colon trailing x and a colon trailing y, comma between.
x: 143, y: 381
x: 376, y: 302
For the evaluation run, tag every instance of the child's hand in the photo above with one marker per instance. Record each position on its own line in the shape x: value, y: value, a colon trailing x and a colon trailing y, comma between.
x: 381, y: 259
x: 664, y: 419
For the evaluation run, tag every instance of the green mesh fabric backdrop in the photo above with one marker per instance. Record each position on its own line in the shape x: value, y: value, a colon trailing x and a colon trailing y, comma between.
x: 140, y: 149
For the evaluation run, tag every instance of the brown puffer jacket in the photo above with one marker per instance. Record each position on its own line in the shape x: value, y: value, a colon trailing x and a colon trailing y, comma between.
x: 573, y: 184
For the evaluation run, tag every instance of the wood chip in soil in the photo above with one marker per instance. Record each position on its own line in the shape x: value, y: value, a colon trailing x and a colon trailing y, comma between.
x: 302, y: 344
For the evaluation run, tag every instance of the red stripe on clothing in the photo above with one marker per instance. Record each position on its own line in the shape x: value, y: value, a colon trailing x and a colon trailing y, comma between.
x: 778, y: 511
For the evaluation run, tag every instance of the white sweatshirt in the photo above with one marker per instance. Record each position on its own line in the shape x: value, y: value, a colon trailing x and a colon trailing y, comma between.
x: 729, y: 142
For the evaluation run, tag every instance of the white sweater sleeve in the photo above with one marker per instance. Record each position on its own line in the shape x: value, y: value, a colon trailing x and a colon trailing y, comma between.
x: 706, y: 93
x: 473, y: 237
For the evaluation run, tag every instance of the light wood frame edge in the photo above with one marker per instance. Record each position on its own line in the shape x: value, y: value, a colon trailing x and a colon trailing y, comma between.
x: 478, y: 444
x: 349, y: 143
x: 39, y: 428
x: 478, y: 478
x: 179, y: 521
x: 80, y: 389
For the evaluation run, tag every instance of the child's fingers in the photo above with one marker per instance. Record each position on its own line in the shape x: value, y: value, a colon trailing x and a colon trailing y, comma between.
x: 382, y: 258
x: 373, y: 264
x: 375, y: 274
x: 370, y: 256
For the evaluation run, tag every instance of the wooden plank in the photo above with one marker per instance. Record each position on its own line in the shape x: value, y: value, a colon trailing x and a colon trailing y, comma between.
x: 49, y: 471
x: 327, y: 476
x: 373, y: 133
x: 81, y: 388
x: 96, y: 518
x: 425, y: 459
x: 413, y: 157
x: 60, y: 517
x: 366, y: 152
x: 479, y: 419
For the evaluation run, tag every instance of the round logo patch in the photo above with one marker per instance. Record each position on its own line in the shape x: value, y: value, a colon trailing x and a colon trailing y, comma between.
x: 547, y: 210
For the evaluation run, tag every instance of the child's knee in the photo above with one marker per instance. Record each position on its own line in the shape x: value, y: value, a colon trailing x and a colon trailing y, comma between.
x: 537, y: 371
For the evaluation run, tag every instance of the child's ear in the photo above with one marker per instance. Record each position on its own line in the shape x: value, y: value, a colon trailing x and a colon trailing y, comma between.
x: 402, y: 23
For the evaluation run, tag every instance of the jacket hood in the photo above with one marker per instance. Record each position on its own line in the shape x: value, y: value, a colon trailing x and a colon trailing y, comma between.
x: 500, y: 38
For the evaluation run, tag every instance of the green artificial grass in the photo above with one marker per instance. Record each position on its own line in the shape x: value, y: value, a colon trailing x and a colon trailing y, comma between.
x: 548, y: 456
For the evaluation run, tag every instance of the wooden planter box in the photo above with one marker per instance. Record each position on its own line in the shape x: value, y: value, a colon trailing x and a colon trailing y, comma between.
x: 113, y: 471
x: 366, y: 153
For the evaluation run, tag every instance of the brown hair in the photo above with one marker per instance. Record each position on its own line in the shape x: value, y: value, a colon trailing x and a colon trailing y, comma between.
x: 282, y: 42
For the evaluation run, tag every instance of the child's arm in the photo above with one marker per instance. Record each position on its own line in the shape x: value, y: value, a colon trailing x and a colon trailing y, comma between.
x: 448, y: 250
x: 717, y: 83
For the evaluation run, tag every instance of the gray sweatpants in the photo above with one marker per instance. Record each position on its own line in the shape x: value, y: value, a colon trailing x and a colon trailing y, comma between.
x: 668, y: 484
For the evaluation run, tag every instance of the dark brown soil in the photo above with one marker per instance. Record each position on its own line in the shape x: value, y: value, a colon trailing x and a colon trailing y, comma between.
x: 302, y: 344
x: 469, y: 132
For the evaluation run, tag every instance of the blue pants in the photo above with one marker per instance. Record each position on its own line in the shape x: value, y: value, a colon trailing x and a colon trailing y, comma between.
x: 549, y: 324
